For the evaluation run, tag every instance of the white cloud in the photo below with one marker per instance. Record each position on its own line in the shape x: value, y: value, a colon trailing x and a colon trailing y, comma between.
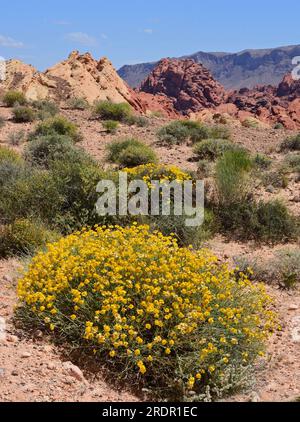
x: 10, y: 42
x: 81, y: 38
x: 104, y: 36
x: 148, y: 31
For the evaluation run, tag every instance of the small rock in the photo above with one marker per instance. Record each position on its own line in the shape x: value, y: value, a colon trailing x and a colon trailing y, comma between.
x: 51, y: 366
x: 2, y: 372
x: 74, y: 371
x: 15, y: 373
x: 270, y: 189
x: 25, y: 355
x: 11, y: 338
x: 293, y: 307
x: 254, y: 397
x: 2, y: 329
x: 7, y: 278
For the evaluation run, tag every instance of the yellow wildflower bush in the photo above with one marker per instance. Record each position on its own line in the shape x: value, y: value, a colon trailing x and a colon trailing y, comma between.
x: 168, y: 318
x: 158, y: 172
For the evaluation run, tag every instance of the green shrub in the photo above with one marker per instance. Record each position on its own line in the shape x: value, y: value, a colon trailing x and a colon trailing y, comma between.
x: 291, y: 144
x: 45, y: 109
x: 24, y: 237
x: 174, y: 133
x: 78, y: 103
x: 262, y: 161
x: 107, y: 110
x: 45, y: 149
x: 139, y: 121
x: 16, y: 138
x: 111, y: 126
x: 186, y: 236
x: 278, y: 126
x: 275, y: 222
x: 7, y: 154
x: 180, y: 131
x: 211, y: 149
x: 12, y: 98
x: 292, y: 162
x: 57, y: 125
x: 23, y: 114
x: 233, y: 176
x: 34, y: 194
x: 130, y: 153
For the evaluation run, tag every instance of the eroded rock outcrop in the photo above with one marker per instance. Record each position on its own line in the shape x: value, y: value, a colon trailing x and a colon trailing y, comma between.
x: 189, y: 85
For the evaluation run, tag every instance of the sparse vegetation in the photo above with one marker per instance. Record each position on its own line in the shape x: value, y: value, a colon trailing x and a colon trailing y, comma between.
x: 111, y: 126
x: 45, y: 109
x: 130, y: 153
x: 78, y: 103
x: 14, y: 98
x: 211, y: 149
x: 106, y: 110
x: 16, y: 138
x: 2, y: 122
x: 57, y: 125
x: 24, y: 237
x: 251, y: 122
x: 291, y: 144
x: 23, y: 114
x: 262, y: 161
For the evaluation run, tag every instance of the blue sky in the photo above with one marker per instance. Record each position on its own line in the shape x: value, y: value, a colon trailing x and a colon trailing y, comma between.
x: 133, y: 31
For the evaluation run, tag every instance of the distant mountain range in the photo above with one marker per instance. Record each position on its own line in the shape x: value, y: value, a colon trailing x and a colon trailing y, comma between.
x: 247, y: 68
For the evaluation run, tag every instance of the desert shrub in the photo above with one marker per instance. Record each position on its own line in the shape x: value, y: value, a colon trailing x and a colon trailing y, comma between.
x: 185, y: 235
x: 197, y: 131
x: 292, y: 162
x: 158, y: 172
x: 173, y: 134
x: 16, y: 138
x: 211, y: 149
x: 278, y: 126
x: 33, y: 194
x: 251, y: 122
x: 23, y: 114
x: 78, y: 103
x: 24, y: 237
x: 276, y: 179
x: 262, y: 161
x: 151, y: 323
x: 275, y: 222
x: 45, y: 149
x: 45, y: 109
x: 57, y: 125
x: 283, y: 268
x: 107, y: 110
x: 7, y: 154
x: 220, y: 119
x: 76, y: 179
x: 10, y: 170
x: 12, y: 98
x: 219, y: 132
x: 205, y: 168
x: 232, y: 176
x: 139, y: 121
x: 2, y: 122
x: 291, y: 144
x: 180, y: 131
x: 111, y: 126
x: 130, y: 153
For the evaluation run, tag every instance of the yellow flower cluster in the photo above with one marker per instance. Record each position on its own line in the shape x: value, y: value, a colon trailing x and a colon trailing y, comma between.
x: 158, y: 172
x: 136, y: 297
